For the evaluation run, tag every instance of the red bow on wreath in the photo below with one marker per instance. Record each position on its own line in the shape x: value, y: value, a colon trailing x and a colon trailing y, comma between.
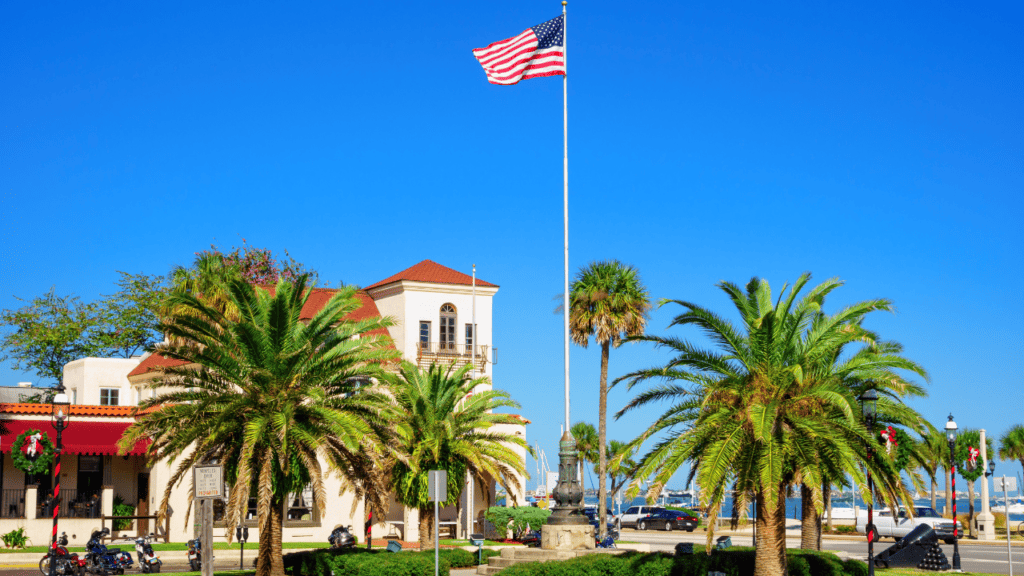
x: 972, y: 456
x: 889, y: 435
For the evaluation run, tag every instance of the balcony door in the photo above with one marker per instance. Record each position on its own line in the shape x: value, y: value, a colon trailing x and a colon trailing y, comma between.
x: 448, y: 319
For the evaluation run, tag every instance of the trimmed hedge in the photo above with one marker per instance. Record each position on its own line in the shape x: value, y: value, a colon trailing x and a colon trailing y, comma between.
x: 362, y: 562
x: 733, y: 562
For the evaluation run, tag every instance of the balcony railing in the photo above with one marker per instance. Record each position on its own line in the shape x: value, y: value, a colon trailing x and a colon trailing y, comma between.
x: 72, y: 505
x: 12, y: 503
x: 448, y: 352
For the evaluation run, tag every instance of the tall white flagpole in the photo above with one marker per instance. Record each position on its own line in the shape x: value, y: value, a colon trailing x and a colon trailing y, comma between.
x: 565, y: 205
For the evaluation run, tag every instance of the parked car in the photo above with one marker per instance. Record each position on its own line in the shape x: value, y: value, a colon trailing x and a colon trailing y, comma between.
x: 593, y: 516
x: 628, y: 518
x: 667, y: 520
x: 901, y: 525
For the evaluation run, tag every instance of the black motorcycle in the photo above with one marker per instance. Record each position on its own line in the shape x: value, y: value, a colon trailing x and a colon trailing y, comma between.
x: 102, y: 560
x: 341, y: 537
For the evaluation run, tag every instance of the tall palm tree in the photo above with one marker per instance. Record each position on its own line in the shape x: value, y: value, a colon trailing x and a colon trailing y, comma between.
x: 746, y: 416
x: 1011, y: 445
x: 607, y: 300
x: 586, y: 444
x: 269, y: 397
x: 442, y: 424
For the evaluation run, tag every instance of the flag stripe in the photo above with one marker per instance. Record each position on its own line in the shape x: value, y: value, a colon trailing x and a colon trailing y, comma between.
x: 553, y: 63
x: 486, y: 54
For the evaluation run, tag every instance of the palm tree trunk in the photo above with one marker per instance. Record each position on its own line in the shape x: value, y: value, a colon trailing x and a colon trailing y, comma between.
x: 970, y: 507
x: 602, y: 450
x: 935, y: 486
x: 426, y: 524
x: 810, y: 522
x: 767, y: 554
x: 826, y: 493
x: 270, y: 558
x: 949, y: 496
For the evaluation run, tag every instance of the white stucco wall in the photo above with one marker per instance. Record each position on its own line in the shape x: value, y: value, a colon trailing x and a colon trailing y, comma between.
x: 86, y: 376
x: 411, y: 302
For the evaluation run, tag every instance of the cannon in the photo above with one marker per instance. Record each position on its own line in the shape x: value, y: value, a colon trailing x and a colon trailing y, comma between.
x: 919, y: 549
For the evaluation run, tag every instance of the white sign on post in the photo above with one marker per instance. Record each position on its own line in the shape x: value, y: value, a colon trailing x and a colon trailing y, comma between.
x: 208, y: 481
x: 1009, y: 486
x: 437, y: 485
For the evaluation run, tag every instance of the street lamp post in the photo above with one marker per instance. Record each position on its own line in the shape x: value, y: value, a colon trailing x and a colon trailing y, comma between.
x: 60, y: 413
x: 869, y: 407
x: 951, y: 436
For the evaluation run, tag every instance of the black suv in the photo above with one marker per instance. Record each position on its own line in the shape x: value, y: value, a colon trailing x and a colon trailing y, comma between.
x: 668, y: 520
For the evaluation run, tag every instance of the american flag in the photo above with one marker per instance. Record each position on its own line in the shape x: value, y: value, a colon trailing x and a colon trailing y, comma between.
x: 538, y: 51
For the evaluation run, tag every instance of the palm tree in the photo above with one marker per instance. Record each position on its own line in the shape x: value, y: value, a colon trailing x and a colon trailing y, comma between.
x: 1011, y: 445
x: 269, y: 397
x: 586, y: 444
x: 747, y: 416
x: 936, y: 455
x: 442, y: 424
x: 607, y: 300
x: 823, y: 357
x: 620, y: 465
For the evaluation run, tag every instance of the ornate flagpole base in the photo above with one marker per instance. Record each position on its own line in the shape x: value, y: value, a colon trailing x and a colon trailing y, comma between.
x: 568, y: 528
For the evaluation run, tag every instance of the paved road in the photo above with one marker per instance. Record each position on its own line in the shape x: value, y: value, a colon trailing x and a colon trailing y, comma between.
x: 973, y: 557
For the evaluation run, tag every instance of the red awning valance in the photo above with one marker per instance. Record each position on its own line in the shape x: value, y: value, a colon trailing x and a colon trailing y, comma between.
x: 78, y: 438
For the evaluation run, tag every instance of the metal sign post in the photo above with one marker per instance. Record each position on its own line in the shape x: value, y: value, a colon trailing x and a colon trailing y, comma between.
x: 437, y: 487
x: 1007, y: 484
x: 207, y: 485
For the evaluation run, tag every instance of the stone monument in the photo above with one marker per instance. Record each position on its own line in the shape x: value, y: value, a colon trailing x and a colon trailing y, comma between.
x: 984, y: 522
x: 568, y: 528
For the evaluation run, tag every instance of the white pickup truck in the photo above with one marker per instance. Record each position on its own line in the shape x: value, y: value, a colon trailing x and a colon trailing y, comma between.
x: 886, y: 526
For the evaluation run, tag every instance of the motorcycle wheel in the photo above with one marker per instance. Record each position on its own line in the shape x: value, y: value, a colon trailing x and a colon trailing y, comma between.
x: 44, y: 566
x: 154, y: 568
x: 194, y: 565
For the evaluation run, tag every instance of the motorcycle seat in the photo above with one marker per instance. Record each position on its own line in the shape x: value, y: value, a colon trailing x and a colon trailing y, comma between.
x: 113, y: 550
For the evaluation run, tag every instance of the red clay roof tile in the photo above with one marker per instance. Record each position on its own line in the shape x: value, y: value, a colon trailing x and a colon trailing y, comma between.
x: 430, y: 271
x: 76, y: 410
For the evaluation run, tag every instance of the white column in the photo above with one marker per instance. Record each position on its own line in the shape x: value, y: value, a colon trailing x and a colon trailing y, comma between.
x: 985, y: 521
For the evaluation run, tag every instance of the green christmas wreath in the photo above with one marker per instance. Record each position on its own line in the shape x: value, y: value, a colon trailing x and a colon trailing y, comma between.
x: 901, y: 443
x: 41, y: 465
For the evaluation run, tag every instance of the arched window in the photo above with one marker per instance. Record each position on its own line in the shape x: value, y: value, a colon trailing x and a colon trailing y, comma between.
x: 448, y: 318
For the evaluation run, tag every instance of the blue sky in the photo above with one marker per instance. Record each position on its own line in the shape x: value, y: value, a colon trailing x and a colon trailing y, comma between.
x: 877, y: 143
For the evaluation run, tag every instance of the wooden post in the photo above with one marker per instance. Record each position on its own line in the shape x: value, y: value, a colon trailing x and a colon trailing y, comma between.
x: 207, y: 537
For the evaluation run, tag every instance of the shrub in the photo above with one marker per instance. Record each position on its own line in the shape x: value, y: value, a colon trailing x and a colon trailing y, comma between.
x: 122, y: 509
x: 518, y: 519
x: 360, y: 562
x: 15, y: 538
x: 734, y: 562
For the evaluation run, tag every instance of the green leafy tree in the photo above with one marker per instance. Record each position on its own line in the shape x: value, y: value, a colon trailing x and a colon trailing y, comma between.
x: 47, y: 333
x: 128, y: 320
x: 1011, y: 445
x: 607, y: 301
x: 748, y: 418
x: 586, y: 444
x: 442, y: 424
x: 270, y: 396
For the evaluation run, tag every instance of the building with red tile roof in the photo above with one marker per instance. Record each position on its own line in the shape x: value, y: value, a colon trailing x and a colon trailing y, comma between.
x: 440, y: 315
